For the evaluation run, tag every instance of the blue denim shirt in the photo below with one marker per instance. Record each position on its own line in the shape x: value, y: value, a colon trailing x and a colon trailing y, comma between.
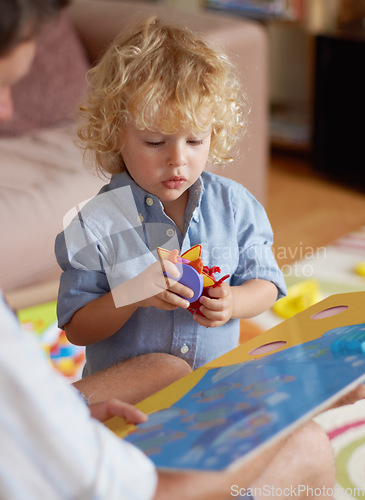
x: 114, y: 238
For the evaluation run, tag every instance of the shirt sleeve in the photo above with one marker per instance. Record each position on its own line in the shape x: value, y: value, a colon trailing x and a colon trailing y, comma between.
x: 83, y: 278
x: 98, y: 250
x: 255, y: 239
x: 51, y: 447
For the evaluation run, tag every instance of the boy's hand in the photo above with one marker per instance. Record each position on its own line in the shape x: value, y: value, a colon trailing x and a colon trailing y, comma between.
x: 217, y: 308
x: 164, y: 292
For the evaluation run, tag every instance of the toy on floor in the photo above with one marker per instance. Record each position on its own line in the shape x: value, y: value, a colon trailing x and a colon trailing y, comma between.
x: 65, y: 357
x: 353, y: 342
x: 300, y: 296
x: 194, y: 274
x: 360, y: 268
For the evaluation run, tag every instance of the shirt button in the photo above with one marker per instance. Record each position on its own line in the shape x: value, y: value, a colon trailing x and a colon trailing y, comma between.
x: 170, y: 232
x: 184, y: 349
x: 149, y: 201
x: 140, y: 218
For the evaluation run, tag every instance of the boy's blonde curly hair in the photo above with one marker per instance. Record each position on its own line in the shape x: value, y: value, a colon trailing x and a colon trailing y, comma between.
x: 165, y: 79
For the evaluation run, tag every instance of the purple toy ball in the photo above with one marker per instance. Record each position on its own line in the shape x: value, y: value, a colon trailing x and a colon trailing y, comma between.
x: 192, y: 279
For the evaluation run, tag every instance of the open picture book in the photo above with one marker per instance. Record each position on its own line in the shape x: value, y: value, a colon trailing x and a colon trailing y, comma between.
x: 230, y: 409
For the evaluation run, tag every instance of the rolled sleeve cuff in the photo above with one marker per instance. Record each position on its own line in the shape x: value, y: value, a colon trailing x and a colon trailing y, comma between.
x: 259, y: 263
x: 78, y: 288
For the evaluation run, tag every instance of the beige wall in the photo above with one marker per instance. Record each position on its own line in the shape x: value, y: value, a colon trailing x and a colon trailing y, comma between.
x: 290, y: 58
x: 188, y: 5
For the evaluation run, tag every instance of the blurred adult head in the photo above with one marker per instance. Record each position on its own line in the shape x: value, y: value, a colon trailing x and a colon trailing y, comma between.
x: 20, y: 22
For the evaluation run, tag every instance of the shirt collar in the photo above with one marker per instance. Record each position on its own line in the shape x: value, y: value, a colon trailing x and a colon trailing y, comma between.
x: 141, y: 196
x: 195, y: 196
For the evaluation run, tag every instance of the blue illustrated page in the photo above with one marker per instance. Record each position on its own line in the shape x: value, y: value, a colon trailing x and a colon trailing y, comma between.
x: 234, y: 409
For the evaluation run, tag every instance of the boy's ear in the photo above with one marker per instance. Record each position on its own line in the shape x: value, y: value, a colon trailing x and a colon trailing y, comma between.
x: 118, y: 140
x: 117, y: 147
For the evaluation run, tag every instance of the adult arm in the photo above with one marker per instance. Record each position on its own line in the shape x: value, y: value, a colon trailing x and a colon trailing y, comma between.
x: 47, y: 433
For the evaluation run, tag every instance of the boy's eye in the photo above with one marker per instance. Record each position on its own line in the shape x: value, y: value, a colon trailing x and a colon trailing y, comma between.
x: 191, y: 142
x: 195, y: 142
x: 154, y: 144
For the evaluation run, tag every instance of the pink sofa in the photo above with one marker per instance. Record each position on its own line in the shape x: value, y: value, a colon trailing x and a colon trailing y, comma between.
x: 41, y: 170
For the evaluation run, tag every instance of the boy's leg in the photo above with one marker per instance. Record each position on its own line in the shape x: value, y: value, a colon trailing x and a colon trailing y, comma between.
x: 134, y: 379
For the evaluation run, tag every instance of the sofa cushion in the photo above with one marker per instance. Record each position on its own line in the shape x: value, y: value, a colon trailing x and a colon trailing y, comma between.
x: 42, y: 178
x: 52, y: 90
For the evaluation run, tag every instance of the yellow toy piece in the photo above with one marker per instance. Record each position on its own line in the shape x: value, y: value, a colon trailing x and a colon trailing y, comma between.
x: 192, y: 254
x: 207, y: 280
x: 300, y: 297
x: 360, y: 268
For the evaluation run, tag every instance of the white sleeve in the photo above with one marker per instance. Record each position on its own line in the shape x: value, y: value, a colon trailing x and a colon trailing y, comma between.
x: 50, y: 446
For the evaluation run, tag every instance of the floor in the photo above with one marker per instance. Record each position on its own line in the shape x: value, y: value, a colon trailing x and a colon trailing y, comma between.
x: 306, y: 210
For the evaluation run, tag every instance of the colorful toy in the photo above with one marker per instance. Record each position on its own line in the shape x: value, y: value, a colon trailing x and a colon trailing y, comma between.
x: 193, y: 273
x: 353, y: 342
x: 300, y: 296
x: 360, y: 268
x: 65, y: 357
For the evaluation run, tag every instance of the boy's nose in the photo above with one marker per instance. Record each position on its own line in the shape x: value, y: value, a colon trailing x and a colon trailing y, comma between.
x: 6, y: 104
x: 177, y: 155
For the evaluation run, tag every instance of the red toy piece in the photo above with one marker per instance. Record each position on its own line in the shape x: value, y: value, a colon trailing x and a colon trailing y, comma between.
x: 195, y: 306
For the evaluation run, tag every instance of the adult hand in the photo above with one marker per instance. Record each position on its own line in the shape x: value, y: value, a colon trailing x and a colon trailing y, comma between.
x: 351, y: 397
x: 103, y: 410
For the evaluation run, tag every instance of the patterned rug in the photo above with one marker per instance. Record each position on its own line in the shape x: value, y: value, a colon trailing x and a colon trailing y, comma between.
x: 345, y: 427
x: 337, y: 268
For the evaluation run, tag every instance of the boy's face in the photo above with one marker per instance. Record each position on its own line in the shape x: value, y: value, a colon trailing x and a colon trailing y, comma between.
x: 12, y: 68
x: 165, y: 165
